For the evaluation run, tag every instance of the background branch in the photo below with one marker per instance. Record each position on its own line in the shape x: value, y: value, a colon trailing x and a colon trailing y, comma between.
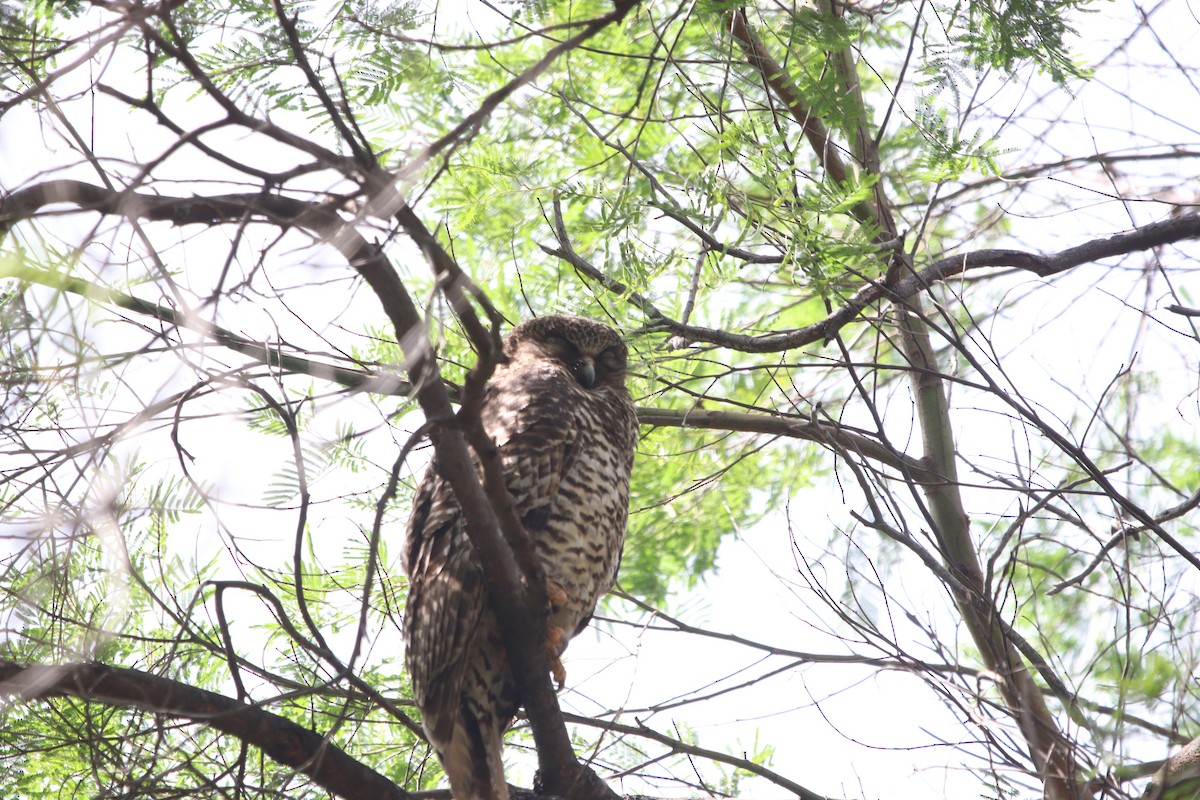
x: 278, y: 738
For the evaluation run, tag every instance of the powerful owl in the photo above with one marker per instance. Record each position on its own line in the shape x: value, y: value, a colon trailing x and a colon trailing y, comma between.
x: 565, y: 426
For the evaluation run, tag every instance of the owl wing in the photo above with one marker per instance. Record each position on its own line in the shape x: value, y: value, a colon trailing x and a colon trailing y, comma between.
x: 446, y: 598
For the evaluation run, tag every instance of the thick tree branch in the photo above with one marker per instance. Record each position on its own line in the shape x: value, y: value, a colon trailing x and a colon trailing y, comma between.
x: 1179, y: 776
x: 775, y: 77
x: 836, y: 436
x: 781, y: 86
x: 280, y: 739
x: 1050, y: 750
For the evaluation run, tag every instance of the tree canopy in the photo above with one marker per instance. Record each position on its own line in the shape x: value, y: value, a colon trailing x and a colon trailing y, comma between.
x: 909, y: 294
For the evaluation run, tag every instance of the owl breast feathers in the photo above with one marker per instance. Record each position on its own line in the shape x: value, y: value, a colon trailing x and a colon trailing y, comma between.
x: 565, y: 426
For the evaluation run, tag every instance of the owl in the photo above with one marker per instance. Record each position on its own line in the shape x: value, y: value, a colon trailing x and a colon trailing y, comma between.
x: 566, y: 429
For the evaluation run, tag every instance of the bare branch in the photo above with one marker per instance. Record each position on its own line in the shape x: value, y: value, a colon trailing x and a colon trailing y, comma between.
x: 467, y: 128
x: 1155, y: 234
x: 677, y: 746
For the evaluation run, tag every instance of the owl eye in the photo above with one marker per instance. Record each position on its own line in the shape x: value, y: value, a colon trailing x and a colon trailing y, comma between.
x: 611, y: 359
x: 559, y: 347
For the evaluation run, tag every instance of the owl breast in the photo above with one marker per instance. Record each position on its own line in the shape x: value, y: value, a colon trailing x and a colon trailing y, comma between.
x: 582, y: 445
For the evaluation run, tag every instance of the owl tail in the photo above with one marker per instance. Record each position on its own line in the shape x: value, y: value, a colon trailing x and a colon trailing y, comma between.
x: 472, y: 757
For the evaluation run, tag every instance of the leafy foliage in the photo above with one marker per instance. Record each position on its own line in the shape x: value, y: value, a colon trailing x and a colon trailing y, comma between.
x: 1002, y: 34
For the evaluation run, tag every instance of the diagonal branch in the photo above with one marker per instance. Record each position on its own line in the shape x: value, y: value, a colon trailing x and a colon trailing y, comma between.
x: 1155, y: 234
x: 471, y: 124
x: 782, y: 87
x: 838, y: 437
x: 280, y: 739
x: 272, y: 356
x: 678, y: 746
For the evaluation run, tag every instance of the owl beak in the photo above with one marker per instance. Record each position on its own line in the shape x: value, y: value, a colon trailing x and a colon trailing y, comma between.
x: 585, y: 372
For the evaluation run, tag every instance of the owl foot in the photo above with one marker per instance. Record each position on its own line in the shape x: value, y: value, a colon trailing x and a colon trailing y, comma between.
x: 554, y: 648
x: 557, y: 597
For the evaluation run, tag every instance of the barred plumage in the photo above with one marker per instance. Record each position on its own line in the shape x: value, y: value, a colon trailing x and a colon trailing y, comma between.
x: 566, y: 428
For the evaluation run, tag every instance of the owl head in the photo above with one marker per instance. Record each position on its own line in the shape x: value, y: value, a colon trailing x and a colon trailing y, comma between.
x: 592, y: 352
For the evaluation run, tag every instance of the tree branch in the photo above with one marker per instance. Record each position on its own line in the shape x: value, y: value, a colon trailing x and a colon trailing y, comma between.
x: 25, y: 203
x: 379, y: 382
x: 470, y: 124
x: 828, y: 433
x: 690, y: 749
x: 782, y: 87
x: 1156, y: 234
x: 280, y: 739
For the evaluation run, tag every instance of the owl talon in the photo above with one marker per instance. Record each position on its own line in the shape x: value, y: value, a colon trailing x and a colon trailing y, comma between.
x: 554, y: 647
x: 559, y: 673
